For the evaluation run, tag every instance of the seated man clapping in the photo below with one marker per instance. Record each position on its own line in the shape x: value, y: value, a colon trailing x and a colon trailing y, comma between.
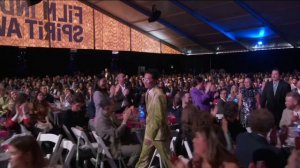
x: 111, y: 132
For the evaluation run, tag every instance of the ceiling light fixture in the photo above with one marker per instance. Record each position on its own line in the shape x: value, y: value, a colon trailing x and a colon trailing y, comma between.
x: 154, y: 15
x: 115, y: 52
x: 260, y: 43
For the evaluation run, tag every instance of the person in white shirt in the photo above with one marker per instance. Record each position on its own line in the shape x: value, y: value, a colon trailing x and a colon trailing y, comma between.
x: 292, y: 111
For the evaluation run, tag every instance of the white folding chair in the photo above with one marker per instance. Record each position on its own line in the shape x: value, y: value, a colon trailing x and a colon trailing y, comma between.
x: 156, y: 154
x: 188, y: 149
x: 68, y: 145
x: 83, y: 143
x: 56, y: 139
x: 173, y: 140
x: 249, y: 130
x: 106, y: 152
x: 25, y: 130
x: 68, y: 133
x: 8, y: 141
x: 172, y: 144
x: 172, y: 147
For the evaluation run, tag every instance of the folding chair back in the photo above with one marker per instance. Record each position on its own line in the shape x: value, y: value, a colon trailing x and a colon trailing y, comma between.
x: 188, y: 149
x: 79, y: 134
x: 172, y: 144
x: 68, y: 133
x: 56, y: 139
x: 70, y: 146
x: 83, y: 143
x: 155, y: 154
x: 105, y: 150
x: 84, y: 140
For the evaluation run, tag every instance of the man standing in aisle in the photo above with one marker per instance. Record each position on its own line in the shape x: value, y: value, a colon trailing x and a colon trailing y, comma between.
x: 157, y: 133
x: 273, y: 95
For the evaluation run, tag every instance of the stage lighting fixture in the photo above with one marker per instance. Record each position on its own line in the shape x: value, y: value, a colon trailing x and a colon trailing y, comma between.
x: 260, y: 43
x: 155, y: 14
x: 33, y: 2
x: 115, y: 52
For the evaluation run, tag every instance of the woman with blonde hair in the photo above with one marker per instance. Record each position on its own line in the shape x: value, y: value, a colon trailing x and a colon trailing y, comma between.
x: 233, y: 96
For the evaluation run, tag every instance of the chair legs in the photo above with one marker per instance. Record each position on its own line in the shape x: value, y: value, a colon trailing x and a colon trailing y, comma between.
x: 155, y: 152
x: 102, y: 159
x: 160, y: 161
x: 121, y: 162
x: 77, y: 152
x: 97, y: 159
x: 188, y: 150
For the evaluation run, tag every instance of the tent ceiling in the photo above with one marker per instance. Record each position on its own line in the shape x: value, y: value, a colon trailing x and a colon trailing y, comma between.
x: 199, y: 27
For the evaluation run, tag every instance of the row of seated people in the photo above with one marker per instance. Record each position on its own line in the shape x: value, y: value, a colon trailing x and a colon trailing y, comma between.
x: 36, y: 115
x: 237, y: 140
x: 209, y: 143
x: 70, y: 117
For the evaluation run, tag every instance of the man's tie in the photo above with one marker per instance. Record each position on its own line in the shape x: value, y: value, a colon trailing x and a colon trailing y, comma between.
x: 147, y: 96
x: 275, y: 85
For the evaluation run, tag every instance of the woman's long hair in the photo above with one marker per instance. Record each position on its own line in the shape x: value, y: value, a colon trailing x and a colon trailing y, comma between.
x: 96, y: 87
x: 216, y: 152
x: 43, y: 102
x: 189, y: 113
x: 41, y: 107
x: 29, y: 146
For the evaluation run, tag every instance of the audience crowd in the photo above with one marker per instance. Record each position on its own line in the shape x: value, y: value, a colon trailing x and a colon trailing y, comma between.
x: 227, y: 120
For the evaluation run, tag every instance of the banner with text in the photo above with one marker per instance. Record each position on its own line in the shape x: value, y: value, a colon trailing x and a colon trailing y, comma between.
x: 59, y: 24
x: 69, y: 24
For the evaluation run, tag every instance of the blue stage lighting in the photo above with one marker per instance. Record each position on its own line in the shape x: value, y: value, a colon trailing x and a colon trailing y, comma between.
x: 255, y: 33
x: 259, y: 42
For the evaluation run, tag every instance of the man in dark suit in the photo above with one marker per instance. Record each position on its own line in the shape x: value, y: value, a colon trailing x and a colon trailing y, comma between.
x: 176, y: 107
x: 45, y: 91
x: 297, y: 89
x: 261, y: 122
x: 222, y: 101
x: 273, y: 95
x: 75, y: 116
